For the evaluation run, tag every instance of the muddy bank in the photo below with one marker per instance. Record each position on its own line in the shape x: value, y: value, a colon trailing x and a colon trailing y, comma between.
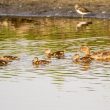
x: 57, y: 8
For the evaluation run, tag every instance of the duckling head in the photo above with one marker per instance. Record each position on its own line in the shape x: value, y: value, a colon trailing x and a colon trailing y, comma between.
x: 85, y: 49
x: 35, y: 59
x: 47, y: 51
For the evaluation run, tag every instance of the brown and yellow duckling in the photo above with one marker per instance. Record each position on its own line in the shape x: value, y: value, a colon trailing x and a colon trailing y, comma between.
x: 9, y: 58
x: 57, y: 54
x: 81, y: 60
x: 36, y: 61
x: 103, y: 55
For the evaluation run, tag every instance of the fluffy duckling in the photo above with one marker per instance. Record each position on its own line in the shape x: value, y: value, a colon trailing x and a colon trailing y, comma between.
x: 77, y: 59
x: 99, y: 55
x: 57, y: 54
x: 10, y: 58
x: 36, y: 61
x: 3, y: 62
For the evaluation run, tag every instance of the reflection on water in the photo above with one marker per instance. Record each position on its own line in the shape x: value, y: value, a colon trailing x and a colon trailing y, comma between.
x: 82, y: 25
x: 28, y: 38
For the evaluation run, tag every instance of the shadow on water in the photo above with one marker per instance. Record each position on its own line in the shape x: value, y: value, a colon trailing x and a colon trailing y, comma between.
x: 29, y: 37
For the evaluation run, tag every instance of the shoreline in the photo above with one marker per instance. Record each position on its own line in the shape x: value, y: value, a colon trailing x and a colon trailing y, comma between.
x: 53, y: 8
x: 48, y: 16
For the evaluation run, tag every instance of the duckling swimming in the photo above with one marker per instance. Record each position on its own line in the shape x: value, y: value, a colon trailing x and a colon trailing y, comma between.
x: 9, y: 58
x: 36, y: 61
x: 103, y: 55
x: 78, y: 59
x: 57, y: 54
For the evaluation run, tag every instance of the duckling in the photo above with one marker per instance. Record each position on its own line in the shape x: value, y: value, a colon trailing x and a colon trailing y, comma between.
x: 77, y: 59
x: 10, y: 58
x: 36, y: 61
x: 99, y: 55
x: 57, y: 54
x: 3, y: 62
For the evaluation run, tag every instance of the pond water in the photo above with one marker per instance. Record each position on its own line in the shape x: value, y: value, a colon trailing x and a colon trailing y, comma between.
x: 62, y: 84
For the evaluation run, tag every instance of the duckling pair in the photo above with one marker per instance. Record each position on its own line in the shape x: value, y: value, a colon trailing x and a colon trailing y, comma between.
x: 57, y: 54
x: 49, y: 54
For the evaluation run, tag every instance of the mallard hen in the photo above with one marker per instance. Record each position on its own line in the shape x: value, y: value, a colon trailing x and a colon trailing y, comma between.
x: 103, y: 55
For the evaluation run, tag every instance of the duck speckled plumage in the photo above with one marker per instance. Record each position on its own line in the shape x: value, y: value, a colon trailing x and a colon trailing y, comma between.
x: 103, y: 55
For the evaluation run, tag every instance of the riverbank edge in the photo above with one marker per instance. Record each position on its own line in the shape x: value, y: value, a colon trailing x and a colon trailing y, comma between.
x: 54, y: 8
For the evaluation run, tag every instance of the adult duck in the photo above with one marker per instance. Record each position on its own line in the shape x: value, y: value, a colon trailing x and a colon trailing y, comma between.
x: 103, y: 55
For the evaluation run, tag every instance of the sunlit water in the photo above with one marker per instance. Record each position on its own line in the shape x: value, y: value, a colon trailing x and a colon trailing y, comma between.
x: 60, y: 85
